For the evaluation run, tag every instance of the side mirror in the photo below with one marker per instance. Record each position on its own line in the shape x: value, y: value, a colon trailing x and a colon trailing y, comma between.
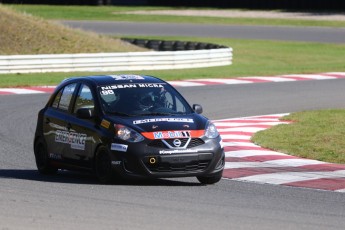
x: 85, y: 113
x: 197, y: 108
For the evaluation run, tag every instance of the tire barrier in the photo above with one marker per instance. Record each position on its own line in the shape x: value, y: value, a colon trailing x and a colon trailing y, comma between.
x: 159, y: 45
x: 176, y: 55
x: 255, y: 4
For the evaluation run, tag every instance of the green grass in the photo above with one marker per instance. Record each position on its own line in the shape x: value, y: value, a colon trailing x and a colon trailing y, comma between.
x: 314, y: 134
x: 251, y: 58
x: 24, y: 34
x: 116, y: 13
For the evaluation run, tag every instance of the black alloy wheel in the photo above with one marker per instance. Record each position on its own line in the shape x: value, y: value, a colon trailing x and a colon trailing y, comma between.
x: 42, y: 160
x: 103, y: 170
x: 210, y: 179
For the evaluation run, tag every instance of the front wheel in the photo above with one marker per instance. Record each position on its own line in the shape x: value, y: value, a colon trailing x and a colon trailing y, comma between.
x: 103, y: 169
x: 42, y: 160
x: 210, y: 179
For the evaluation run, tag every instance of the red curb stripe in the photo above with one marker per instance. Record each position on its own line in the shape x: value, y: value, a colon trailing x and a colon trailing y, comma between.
x: 245, y: 126
x: 268, y: 117
x: 333, y: 75
x: 298, y: 78
x: 235, y: 148
x: 264, y: 158
x: 324, y: 167
x: 206, y: 82
x: 41, y: 89
x: 244, y: 121
x: 5, y: 93
x: 259, y: 158
x: 237, y: 133
x: 244, y: 172
x: 236, y: 140
x: 254, y: 80
x: 325, y: 184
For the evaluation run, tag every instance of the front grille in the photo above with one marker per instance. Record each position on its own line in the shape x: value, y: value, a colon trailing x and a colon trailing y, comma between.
x: 157, y: 144
x: 188, y: 167
x: 171, y: 142
x: 194, y: 142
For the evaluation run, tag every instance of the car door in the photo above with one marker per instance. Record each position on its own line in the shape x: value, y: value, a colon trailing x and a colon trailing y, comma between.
x: 55, y: 128
x: 83, y: 133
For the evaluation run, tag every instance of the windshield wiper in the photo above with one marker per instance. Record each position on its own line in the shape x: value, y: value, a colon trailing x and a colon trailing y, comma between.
x: 157, y: 114
x: 120, y: 114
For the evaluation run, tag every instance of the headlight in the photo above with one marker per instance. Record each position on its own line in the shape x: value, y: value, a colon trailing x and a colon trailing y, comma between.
x: 211, y: 130
x: 127, y: 134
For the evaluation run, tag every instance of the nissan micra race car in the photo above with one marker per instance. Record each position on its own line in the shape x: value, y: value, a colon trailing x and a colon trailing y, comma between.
x: 126, y: 126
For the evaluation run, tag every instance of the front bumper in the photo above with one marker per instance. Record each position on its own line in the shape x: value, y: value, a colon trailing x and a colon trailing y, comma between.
x: 143, y: 160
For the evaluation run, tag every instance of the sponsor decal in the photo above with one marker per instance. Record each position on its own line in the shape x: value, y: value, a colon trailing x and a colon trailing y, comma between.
x: 108, y: 88
x: 76, y: 140
x: 150, y: 85
x: 119, y: 86
x: 185, y: 120
x: 127, y: 77
x: 119, y: 147
x: 55, y: 156
x: 174, y: 134
x: 116, y: 162
x: 105, y: 124
x: 169, y: 152
x: 171, y: 134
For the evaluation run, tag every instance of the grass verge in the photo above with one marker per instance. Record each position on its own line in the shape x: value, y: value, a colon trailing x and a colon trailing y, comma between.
x: 251, y: 58
x: 25, y: 34
x: 117, y: 13
x: 314, y: 135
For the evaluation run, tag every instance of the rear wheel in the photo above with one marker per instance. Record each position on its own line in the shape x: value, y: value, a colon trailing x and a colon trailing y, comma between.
x: 42, y: 160
x: 103, y: 169
x: 210, y: 179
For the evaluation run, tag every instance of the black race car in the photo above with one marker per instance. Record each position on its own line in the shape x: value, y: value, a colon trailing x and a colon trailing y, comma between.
x: 125, y: 126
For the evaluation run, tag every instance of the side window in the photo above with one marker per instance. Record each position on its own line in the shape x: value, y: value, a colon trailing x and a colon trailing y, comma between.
x: 57, y: 99
x: 169, y: 101
x: 173, y: 102
x: 84, y: 99
x: 179, y: 106
x: 66, y: 96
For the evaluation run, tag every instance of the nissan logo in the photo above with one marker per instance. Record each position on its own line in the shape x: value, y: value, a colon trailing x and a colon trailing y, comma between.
x: 177, y: 143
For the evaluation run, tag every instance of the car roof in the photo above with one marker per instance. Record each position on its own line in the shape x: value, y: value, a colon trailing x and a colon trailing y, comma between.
x: 115, y: 79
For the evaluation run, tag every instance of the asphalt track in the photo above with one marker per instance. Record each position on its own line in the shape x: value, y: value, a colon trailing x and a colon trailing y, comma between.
x: 286, y: 33
x: 75, y: 201
x: 71, y: 200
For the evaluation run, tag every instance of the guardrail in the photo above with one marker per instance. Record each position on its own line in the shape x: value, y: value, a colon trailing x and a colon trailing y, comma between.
x: 152, y: 60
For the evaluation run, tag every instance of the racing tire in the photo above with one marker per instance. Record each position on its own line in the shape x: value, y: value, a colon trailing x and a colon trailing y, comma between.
x: 210, y: 179
x: 42, y: 160
x: 103, y: 169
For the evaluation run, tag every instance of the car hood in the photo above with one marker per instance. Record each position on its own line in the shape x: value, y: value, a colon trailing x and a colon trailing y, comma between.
x: 163, y: 123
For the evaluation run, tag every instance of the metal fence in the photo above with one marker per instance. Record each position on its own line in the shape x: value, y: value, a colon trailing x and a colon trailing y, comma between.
x: 151, y: 60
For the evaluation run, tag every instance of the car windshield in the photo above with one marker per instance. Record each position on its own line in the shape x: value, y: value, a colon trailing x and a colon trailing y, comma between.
x: 141, y: 99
